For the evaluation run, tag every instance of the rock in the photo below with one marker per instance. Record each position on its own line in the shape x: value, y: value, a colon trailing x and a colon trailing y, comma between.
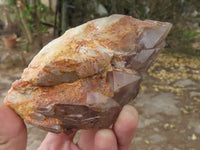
x: 144, y: 122
x: 101, y: 10
x: 157, y: 138
x: 194, y: 93
x: 185, y: 83
x: 11, y: 59
x: 164, y: 103
x: 3, y: 2
x: 195, y: 124
x: 47, y: 4
x: 82, y: 79
x: 17, y: 60
x: 6, y: 60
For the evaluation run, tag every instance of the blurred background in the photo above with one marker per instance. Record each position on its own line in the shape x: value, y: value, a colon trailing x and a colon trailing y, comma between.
x: 169, y: 99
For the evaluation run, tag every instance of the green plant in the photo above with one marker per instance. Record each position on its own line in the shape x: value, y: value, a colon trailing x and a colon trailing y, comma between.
x: 11, y: 2
x: 181, y: 39
x: 44, y: 14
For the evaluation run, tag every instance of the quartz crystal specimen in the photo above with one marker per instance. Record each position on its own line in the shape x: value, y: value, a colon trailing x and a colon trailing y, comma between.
x: 82, y: 79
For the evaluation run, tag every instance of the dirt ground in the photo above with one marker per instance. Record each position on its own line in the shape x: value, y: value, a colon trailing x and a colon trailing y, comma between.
x: 169, y: 105
x: 168, y: 102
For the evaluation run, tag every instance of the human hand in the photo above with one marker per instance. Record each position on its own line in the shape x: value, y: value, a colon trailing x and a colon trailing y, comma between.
x: 13, y: 134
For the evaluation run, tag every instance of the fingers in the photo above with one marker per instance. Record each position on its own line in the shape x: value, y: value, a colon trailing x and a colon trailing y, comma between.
x: 58, y: 142
x: 103, y: 139
x: 125, y: 126
x: 86, y: 140
x: 13, y: 133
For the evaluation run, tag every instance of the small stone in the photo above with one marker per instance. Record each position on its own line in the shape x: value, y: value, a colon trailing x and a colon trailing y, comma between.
x: 197, y: 99
x: 6, y: 60
x: 144, y: 122
x: 194, y: 93
x: 172, y: 126
x: 156, y: 129
x: 147, y: 141
x: 185, y: 82
x: 163, y: 103
x: 194, y: 137
x: 186, y: 112
x: 138, y: 139
x: 157, y: 138
x: 166, y: 126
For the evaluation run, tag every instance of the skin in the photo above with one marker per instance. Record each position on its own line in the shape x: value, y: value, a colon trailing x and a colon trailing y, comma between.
x: 13, y: 134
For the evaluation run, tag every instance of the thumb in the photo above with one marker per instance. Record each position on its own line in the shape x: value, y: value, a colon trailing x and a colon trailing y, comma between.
x: 13, y: 133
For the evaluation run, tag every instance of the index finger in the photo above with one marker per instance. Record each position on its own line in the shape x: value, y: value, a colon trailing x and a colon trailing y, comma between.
x: 125, y: 126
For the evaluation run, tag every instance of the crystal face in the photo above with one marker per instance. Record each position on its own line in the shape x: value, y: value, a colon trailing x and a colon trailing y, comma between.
x: 82, y: 79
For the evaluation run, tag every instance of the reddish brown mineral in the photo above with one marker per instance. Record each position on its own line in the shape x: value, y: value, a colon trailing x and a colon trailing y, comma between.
x: 83, y: 78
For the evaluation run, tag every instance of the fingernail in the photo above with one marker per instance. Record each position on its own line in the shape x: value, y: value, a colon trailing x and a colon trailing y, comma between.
x: 105, y: 139
x: 130, y: 110
x: 105, y: 133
